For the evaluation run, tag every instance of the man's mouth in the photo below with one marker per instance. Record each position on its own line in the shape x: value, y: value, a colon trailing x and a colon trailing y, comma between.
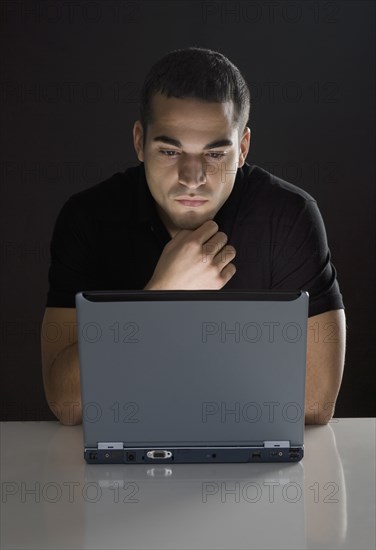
x: 192, y: 202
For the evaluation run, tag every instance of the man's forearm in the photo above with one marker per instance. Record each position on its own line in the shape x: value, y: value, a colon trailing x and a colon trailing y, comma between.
x: 62, y: 386
x: 326, y: 345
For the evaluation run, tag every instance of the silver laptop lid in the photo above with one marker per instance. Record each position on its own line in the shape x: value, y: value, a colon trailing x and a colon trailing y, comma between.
x: 192, y: 368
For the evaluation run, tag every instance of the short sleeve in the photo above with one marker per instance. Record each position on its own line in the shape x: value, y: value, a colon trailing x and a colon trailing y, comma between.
x: 302, y: 259
x: 72, y: 266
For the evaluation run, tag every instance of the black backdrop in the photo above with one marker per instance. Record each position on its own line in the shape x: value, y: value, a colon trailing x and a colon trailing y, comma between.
x: 70, y: 77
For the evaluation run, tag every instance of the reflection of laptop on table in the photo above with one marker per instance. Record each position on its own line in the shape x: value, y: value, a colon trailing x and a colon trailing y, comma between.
x: 192, y: 376
x: 192, y: 506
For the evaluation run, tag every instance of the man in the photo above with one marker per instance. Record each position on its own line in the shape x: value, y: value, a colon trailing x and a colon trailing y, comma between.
x: 192, y: 215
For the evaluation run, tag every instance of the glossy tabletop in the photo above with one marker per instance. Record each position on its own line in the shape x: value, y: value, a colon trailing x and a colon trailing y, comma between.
x: 52, y: 499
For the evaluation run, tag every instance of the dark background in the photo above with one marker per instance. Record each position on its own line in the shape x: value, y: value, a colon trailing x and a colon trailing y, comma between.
x: 70, y: 77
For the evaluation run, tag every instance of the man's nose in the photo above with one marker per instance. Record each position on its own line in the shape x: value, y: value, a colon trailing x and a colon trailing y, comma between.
x: 192, y: 173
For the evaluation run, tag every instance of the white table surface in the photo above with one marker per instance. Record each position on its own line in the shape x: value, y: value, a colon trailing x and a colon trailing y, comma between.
x: 52, y: 499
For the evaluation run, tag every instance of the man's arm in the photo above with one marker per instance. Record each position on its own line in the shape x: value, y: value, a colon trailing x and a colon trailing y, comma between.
x: 326, y: 344
x: 60, y: 364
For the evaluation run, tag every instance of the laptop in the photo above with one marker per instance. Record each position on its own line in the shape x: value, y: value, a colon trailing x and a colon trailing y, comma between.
x: 199, y: 376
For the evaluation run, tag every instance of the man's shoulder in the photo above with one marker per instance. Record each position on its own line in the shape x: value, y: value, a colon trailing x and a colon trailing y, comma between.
x: 268, y: 187
x: 108, y: 196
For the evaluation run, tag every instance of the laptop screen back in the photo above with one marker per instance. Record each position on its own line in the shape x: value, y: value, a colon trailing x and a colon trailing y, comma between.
x: 192, y: 368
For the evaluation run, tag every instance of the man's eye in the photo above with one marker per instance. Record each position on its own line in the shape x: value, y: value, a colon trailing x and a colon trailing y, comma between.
x: 168, y: 153
x: 216, y: 156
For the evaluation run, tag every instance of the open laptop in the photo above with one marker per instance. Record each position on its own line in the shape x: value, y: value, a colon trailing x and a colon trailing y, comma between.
x: 192, y: 376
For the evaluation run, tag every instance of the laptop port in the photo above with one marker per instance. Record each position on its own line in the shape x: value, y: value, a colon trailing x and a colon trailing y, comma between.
x: 93, y: 455
x: 256, y: 454
x: 131, y: 457
x: 159, y: 454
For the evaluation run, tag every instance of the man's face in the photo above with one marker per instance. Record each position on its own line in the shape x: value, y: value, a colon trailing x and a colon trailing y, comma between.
x: 190, y: 175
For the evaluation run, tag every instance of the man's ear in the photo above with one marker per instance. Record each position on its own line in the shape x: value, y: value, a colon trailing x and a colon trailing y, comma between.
x: 244, y: 146
x: 138, y: 136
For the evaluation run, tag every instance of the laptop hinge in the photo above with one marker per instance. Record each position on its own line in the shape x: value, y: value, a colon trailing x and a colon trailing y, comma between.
x: 276, y: 444
x: 111, y: 445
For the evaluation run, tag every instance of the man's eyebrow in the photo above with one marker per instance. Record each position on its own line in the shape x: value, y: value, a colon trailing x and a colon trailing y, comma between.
x: 177, y: 143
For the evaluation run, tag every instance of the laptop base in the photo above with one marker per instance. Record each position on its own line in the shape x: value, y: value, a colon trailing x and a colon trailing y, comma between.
x: 168, y: 455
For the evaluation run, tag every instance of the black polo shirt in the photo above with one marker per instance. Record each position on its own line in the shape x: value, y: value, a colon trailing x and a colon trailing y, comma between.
x: 110, y: 237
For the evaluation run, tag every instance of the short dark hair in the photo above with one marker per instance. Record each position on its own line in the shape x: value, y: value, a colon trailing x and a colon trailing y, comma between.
x: 196, y: 73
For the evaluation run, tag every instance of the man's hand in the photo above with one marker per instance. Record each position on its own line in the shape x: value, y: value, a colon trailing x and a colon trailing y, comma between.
x: 195, y: 260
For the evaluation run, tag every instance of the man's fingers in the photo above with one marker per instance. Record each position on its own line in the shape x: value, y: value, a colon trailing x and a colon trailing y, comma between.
x: 224, y: 256
x: 227, y: 273
x: 212, y: 242
x: 206, y: 231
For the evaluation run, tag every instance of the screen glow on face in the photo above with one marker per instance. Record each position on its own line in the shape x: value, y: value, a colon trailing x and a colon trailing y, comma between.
x: 209, y: 150
x: 191, y: 158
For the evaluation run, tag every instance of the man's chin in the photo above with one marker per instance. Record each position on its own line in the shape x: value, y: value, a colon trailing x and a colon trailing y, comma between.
x: 192, y: 223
